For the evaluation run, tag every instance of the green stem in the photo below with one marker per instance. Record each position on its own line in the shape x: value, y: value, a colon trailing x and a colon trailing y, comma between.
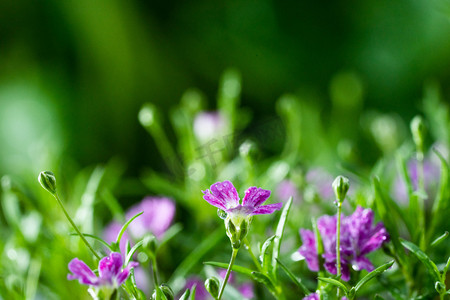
x: 249, y: 249
x: 338, y: 242
x: 75, y: 226
x: 421, y: 187
x: 155, y: 275
x: 230, y: 265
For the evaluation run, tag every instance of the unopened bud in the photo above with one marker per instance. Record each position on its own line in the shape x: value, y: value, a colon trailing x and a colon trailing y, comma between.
x: 212, y: 285
x: 340, y: 186
x: 48, y: 181
x: 418, y: 132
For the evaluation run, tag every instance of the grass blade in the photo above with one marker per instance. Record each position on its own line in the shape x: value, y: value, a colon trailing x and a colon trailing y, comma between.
x: 378, y: 271
x: 334, y: 282
x: 429, y: 264
x: 294, y: 279
x: 279, y: 235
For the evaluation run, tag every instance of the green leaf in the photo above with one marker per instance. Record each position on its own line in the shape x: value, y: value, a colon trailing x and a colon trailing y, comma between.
x: 294, y: 279
x: 132, y: 251
x: 125, y: 226
x: 261, y: 278
x: 442, y: 201
x: 235, y: 268
x: 279, y: 235
x: 334, y: 282
x: 95, y: 238
x: 444, y: 272
x: 264, y: 255
x: 429, y: 264
x: 439, y: 239
x: 378, y: 271
x: 185, y: 295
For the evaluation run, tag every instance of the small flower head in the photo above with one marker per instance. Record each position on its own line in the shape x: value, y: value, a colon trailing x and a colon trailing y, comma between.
x: 418, y: 129
x: 110, y: 270
x: 208, y: 125
x: 224, y: 196
x: 359, y: 237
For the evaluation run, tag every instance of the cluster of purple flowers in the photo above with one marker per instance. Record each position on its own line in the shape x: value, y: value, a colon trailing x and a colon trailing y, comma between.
x: 358, y: 238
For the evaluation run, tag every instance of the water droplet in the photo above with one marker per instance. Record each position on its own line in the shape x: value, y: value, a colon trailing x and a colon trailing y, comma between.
x: 222, y: 214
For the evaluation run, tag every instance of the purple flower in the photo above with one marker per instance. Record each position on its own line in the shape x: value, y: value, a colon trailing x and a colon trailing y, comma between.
x: 110, y: 270
x: 157, y: 217
x: 223, y: 195
x: 358, y: 238
x: 286, y: 189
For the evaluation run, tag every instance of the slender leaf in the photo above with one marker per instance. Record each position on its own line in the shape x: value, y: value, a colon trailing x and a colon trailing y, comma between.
x: 334, y: 282
x: 261, y: 278
x: 279, y: 235
x: 429, y: 264
x: 294, y: 279
x: 125, y: 226
x: 439, y: 239
x: 235, y: 268
x: 378, y: 271
x: 444, y: 272
x: 132, y: 251
x: 264, y: 255
x: 95, y: 238
x: 185, y: 295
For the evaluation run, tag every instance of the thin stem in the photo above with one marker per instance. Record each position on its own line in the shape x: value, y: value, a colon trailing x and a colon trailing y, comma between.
x: 230, y: 265
x: 249, y: 249
x: 421, y: 187
x: 338, y: 242
x: 155, y: 275
x: 75, y: 226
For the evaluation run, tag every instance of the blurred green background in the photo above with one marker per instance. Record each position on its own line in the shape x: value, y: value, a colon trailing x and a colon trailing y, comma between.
x: 74, y: 74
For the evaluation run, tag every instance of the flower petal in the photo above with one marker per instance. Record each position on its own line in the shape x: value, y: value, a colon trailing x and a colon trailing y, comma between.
x: 267, y: 209
x: 254, y: 196
x: 374, y: 242
x: 227, y: 192
x: 82, y: 272
x: 222, y: 195
x: 109, y: 267
x: 125, y: 273
x: 308, y: 249
x: 362, y: 262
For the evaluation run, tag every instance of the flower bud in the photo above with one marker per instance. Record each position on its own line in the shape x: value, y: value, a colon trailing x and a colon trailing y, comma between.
x: 232, y: 233
x: 212, y: 285
x: 340, y: 186
x: 248, y: 149
x: 48, y: 181
x: 418, y: 132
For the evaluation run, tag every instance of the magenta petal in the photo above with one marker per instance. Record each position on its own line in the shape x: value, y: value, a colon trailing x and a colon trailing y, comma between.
x: 110, y: 266
x: 379, y: 236
x: 255, y: 196
x: 214, y: 201
x: 267, y: 209
x: 226, y: 193
x: 363, y: 263
x: 308, y: 249
x: 81, y: 272
x: 125, y: 273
